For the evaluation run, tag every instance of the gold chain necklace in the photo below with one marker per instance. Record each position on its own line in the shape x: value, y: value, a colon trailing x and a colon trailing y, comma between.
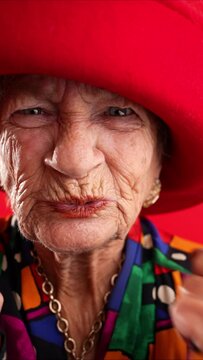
x: 62, y: 323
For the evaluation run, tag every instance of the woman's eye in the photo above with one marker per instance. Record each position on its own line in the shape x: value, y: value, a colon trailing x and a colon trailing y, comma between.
x: 32, y: 117
x: 122, y: 119
x: 117, y: 111
x: 30, y: 111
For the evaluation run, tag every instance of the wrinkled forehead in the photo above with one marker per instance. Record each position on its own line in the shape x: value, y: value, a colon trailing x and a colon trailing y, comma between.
x: 51, y: 87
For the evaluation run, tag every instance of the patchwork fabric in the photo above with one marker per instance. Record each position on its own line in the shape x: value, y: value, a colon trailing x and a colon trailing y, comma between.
x: 137, y: 324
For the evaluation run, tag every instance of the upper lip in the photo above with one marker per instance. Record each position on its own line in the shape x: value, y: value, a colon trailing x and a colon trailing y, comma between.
x: 81, y: 201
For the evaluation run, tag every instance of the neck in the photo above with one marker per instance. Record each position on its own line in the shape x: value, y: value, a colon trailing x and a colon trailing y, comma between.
x: 81, y: 282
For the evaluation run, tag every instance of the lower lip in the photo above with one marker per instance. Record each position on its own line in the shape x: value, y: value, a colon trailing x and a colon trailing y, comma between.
x: 80, y: 210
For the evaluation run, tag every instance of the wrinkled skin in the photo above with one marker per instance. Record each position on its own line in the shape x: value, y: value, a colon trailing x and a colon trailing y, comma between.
x: 74, y: 150
x: 72, y: 146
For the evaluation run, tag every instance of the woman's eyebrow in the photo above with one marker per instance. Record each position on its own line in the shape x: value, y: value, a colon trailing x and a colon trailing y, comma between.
x: 39, y: 87
x: 36, y: 91
x: 26, y: 85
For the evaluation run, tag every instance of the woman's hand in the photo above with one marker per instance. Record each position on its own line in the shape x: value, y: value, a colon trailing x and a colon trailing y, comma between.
x: 187, y: 310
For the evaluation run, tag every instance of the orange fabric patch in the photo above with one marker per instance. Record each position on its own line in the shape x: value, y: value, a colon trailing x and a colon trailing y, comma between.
x: 177, y: 280
x: 39, y: 281
x: 195, y: 356
x: 151, y: 351
x: 30, y: 294
x: 162, y: 349
x: 184, y: 245
x: 115, y: 355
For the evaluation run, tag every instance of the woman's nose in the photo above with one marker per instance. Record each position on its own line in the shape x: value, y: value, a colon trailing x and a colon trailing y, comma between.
x: 75, y: 154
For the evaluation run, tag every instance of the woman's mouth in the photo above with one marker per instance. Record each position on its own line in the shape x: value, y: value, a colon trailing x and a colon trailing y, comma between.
x: 80, y: 208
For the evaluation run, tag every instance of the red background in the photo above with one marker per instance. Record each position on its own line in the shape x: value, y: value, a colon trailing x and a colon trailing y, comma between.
x: 186, y: 223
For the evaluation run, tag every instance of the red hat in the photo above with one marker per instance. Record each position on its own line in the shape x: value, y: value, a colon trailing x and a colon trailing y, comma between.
x: 150, y: 51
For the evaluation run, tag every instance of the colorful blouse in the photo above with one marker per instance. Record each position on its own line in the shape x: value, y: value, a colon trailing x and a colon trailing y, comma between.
x: 137, y: 324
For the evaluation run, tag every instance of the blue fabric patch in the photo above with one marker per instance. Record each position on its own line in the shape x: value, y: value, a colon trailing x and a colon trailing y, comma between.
x: 157, y: 241
x: 138, y: 255
x: 132, y: 252
x: 46, y: 329
x: 162, y: 315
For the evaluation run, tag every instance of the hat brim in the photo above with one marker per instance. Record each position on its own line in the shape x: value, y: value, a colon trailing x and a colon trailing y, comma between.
x: 144, y: 50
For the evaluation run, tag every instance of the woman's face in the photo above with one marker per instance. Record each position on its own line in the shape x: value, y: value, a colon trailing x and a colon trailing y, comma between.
x: 76, y: 161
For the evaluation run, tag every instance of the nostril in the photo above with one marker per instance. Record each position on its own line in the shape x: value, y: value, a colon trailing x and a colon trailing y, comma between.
x: 75, y: 160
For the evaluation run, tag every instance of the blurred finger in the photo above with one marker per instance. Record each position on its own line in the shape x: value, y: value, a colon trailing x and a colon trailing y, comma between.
x: 187, y: 316
x: 194, y: 285
x: 197, y: 262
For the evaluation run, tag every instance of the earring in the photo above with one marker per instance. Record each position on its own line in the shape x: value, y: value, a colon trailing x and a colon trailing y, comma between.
x: 154, y: 194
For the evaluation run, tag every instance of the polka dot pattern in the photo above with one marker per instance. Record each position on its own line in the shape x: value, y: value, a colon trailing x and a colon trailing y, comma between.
x: 18, y: 257
x: 154, y: 296
x: 4, y: 265
x: 17, y: 299
x: 147, y: 242
x: 179, y: 256
x: 166, y: 294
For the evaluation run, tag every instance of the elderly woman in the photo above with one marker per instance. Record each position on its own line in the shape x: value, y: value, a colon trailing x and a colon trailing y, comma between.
x: 81, y: 154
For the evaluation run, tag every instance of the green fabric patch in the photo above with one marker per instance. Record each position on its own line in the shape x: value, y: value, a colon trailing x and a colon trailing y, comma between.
x: 148, y: 272
x: 162, y: 260
x: 129, y: 316
x: 145, y: 333
x: 134, y: 328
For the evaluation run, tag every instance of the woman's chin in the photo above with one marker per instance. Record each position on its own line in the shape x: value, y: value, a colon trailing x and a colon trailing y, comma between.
x: 77, y: 235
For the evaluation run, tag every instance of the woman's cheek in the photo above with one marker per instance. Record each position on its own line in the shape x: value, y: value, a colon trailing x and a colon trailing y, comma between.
x: 8, y: 155
x: 130, y: 193
x: 32, y: 146
x: 134, y: 177
x: 20, y: 157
